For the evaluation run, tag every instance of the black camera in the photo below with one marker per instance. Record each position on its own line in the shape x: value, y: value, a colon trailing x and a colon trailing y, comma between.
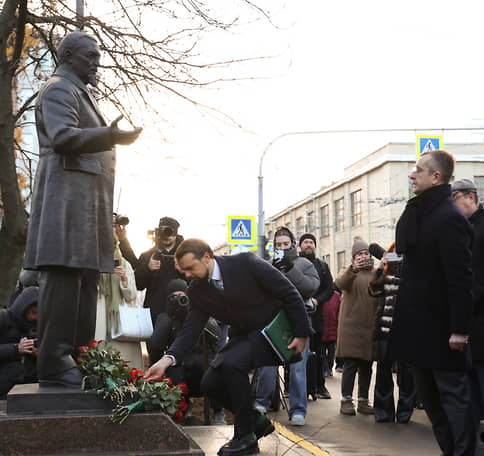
x: 177, y: 306
x: 121, y: 219
x: 164, y: 232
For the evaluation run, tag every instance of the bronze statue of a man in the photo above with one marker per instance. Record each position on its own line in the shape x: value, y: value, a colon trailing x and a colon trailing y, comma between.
x: 70, y: 238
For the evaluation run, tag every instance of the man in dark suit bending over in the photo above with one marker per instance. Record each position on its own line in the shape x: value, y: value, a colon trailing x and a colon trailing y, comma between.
x: 245, y: 292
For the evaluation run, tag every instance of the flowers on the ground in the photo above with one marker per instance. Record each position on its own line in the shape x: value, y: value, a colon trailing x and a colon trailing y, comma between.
x: 106, y: 372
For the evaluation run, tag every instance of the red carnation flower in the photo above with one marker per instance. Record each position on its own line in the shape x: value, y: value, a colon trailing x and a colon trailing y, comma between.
x: 136, y: 374
x: 182, y: 406
x: 168, y: 381
x: 177, y: 416
x: 83, y: 349
x: 183, y: 387
x: 94, y: 344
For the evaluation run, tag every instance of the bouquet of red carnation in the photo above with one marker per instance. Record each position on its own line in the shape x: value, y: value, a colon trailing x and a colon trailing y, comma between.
x: 106, y: 372
x: 161, y: 396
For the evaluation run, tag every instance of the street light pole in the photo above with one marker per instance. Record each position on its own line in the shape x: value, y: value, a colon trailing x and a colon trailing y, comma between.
x: 79, y: 14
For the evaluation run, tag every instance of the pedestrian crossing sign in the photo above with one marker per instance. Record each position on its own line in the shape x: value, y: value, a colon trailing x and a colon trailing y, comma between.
x: 428, y: 142
x: 241, y: 229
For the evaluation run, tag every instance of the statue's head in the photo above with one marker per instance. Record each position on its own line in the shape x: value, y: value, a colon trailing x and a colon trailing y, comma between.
x: 79, y: 52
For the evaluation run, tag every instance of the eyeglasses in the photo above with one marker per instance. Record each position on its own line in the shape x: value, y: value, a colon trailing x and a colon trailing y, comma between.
x: 457, y: 195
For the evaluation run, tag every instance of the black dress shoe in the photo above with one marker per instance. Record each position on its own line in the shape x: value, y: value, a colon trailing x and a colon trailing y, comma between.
x: 263, y: 427
x: 71, y: 378
x: 324, y: 394
x: 239, y: 447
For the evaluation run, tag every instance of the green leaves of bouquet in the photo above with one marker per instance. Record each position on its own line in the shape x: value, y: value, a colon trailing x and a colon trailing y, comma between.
x: 106, y: 372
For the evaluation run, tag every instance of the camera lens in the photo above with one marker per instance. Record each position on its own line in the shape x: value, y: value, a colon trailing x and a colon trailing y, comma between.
x: 183, y: 300
x: 167, y: 231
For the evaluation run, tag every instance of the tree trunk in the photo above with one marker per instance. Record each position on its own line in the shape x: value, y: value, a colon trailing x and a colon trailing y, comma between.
x: 14, y: 223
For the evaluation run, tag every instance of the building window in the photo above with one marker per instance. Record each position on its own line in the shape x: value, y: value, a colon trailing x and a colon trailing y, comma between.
x: 356, y: 208
x: 479, y: 181
x: 339, y: 214
x: 324, y: 217
x: 309, y: 222
x: 341, y: 260
x: 299, y: 226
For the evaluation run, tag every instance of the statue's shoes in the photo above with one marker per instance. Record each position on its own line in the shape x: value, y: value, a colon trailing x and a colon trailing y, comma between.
x: 71, y: 378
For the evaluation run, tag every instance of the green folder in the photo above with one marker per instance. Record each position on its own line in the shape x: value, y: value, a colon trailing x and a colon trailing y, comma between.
x: 279, y: 335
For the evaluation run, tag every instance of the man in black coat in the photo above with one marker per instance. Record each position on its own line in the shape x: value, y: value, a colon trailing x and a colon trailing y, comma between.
x: 156, y: 266
x: 433, y: 311
x: 245, y: 292
x: 70, y: 238
x: 464, y: 193
x: 17, y: 323
x: 307, y: 244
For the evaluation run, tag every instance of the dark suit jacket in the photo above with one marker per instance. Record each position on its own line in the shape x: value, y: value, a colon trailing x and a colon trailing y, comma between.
x: 434, y: 298
x: 254, y: 291
x: 71, y: 217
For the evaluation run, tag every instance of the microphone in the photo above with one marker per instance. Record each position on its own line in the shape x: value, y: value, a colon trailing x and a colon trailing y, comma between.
x: 376, y: 250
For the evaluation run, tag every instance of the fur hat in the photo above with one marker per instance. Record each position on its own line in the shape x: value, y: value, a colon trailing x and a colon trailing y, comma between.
x: 358, y: 245
x: 307, y: 236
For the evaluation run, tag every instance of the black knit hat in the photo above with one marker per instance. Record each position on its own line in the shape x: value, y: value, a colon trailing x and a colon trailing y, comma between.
x: 176, y: 285
x: 307, y: 236
x: 171, y: 222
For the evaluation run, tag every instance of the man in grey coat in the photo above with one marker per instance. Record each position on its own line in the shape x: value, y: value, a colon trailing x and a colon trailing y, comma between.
x: 70, y: 239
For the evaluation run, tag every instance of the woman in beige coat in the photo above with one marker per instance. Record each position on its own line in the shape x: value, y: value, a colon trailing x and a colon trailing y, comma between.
x: 355, y: 328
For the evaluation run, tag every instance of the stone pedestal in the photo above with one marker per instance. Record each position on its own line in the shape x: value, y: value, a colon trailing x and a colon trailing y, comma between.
x: 65, y: 422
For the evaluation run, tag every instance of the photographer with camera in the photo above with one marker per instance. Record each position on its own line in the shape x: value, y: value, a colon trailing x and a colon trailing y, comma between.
x: 156, y: 266
x: 120, y: 222
x: 355, y: 328
x: 304, y: 276
x: 168, y: 325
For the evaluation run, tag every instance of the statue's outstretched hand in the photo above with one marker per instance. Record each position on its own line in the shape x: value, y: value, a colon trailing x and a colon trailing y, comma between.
x: 123, y: 137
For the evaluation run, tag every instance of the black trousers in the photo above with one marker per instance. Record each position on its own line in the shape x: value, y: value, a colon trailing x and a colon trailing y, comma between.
x: 383, y: 402
x: 447, y: 401
x: 350, y: 367
x: 67, y: 317
x: 318, y: 380
x: 227, y: 378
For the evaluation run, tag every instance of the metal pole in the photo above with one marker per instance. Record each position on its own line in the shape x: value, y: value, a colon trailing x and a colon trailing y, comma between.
x: 79, y: 14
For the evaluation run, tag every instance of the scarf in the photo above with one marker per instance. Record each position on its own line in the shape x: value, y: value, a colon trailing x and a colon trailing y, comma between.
x: 110, y: 287
x: 411, y: 218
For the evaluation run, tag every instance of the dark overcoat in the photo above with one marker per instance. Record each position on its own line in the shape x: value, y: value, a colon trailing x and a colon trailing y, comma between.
x: 434, y: 299
x: 71, y: 216
x: 254, y: 291
x: 477, y: 328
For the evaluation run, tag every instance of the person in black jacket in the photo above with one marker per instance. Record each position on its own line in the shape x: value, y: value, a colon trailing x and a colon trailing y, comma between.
x: 245, y: 292
x: 17, y: 324
x: 433, y: 311
x: 307, y: 244
x: 464, y: 193
x: 156, y: 266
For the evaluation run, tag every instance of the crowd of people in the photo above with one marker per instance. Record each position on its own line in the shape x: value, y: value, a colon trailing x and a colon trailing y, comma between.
x: 420, y: 312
